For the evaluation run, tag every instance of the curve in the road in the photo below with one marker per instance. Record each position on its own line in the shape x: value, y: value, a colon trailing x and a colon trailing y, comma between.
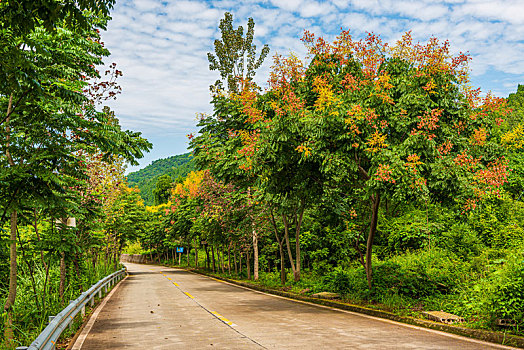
x: 165, y: 308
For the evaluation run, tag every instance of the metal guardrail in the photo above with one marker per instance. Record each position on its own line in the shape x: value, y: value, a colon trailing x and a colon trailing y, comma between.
x: 57, y: 324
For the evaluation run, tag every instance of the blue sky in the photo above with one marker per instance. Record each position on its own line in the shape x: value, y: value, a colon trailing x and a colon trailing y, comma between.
x: 161, y: 46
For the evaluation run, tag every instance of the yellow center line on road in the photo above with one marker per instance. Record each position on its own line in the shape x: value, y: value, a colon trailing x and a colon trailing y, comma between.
x: 222, y: 318
x: 214, y: 313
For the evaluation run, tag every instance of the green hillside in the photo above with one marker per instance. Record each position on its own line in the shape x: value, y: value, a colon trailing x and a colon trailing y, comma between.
x: 145, y: 179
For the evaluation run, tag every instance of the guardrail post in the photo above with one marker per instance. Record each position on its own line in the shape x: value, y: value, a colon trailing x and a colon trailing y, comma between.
x: 92, y: 300
x: 100, y: 293
x: 83, y: 311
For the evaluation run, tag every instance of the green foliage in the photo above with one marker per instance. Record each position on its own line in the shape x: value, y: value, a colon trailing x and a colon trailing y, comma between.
x: 499, y: 223
x: 4, y: 262
x: 176, y: 167
x: 162, y: 191
x: 406, y: 232
x: 339, y: 281
x: 508, y: 298
x: 31, y: 311
x: 461, y: 240
x: 516, y: 102
x: 58, y: 144
x: 132, y: 248
x: 496, y: 290
x: 22, y: 16
x: 235, y: 55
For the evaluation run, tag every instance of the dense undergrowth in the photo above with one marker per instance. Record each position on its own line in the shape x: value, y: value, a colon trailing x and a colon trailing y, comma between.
x: 38, y: 297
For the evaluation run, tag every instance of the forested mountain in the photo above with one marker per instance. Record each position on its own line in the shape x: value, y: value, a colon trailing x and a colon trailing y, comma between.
x: 145, y: 179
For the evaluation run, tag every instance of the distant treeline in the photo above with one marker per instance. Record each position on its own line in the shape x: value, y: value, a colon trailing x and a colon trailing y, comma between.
x: 145, y: 179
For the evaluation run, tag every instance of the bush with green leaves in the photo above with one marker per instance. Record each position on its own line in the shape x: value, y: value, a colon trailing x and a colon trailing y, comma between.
x: 461, y: 240
x: 339, y: 281
x: 508, y: 296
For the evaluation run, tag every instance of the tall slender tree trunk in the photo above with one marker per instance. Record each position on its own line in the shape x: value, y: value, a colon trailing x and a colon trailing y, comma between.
x: 223, y: 260
x: 235, y: 260
x: 196, y: 253
x: 288, y: 245
x: 372, y: 230
x: 31, y: 272
x: 240, y: 262
x: 280, y: 248
x: 11, y: 297
x: 62, y: 275
x: 248, y: 265
x: 44, y: 294
x: 297, y: 241
x: 282, y: 263
x: 207, y: 256
x: 255, y: 253
x: 229, y: 258
x: 219, y: 261
x: 213, y: 256
x: 13, y: 268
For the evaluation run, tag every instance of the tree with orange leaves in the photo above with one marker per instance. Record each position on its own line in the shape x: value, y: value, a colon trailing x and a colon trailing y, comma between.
x: 397, y: 123
x: 368, y: 123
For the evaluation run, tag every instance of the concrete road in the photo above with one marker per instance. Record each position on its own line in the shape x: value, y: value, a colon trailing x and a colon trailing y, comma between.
x: 164, y: 308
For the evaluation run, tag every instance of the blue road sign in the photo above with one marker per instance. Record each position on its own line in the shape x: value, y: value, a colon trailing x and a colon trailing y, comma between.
x: 179, y: 249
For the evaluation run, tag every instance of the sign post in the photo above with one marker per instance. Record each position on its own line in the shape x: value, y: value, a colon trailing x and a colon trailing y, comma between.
x: 179, y: 250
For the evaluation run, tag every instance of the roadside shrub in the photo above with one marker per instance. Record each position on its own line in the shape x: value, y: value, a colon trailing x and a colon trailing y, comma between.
x: 407, y: 232
x: 460, y: 239
x: 338, y: 281
x: 508, y: 296
x: 497, y: 291
x: 435, y: 272
x: 410, y: 281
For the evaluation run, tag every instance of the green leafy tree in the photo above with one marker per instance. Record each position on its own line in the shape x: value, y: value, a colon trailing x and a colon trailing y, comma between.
x: 162, y: 189
x: 513, y: 140
x: 22, y: 16
x: 48, y: 118
x: 397, y: 123
x: 366, y: 122
x: 235, y: 55
x: 125, y: 220
x: 236, y: 60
